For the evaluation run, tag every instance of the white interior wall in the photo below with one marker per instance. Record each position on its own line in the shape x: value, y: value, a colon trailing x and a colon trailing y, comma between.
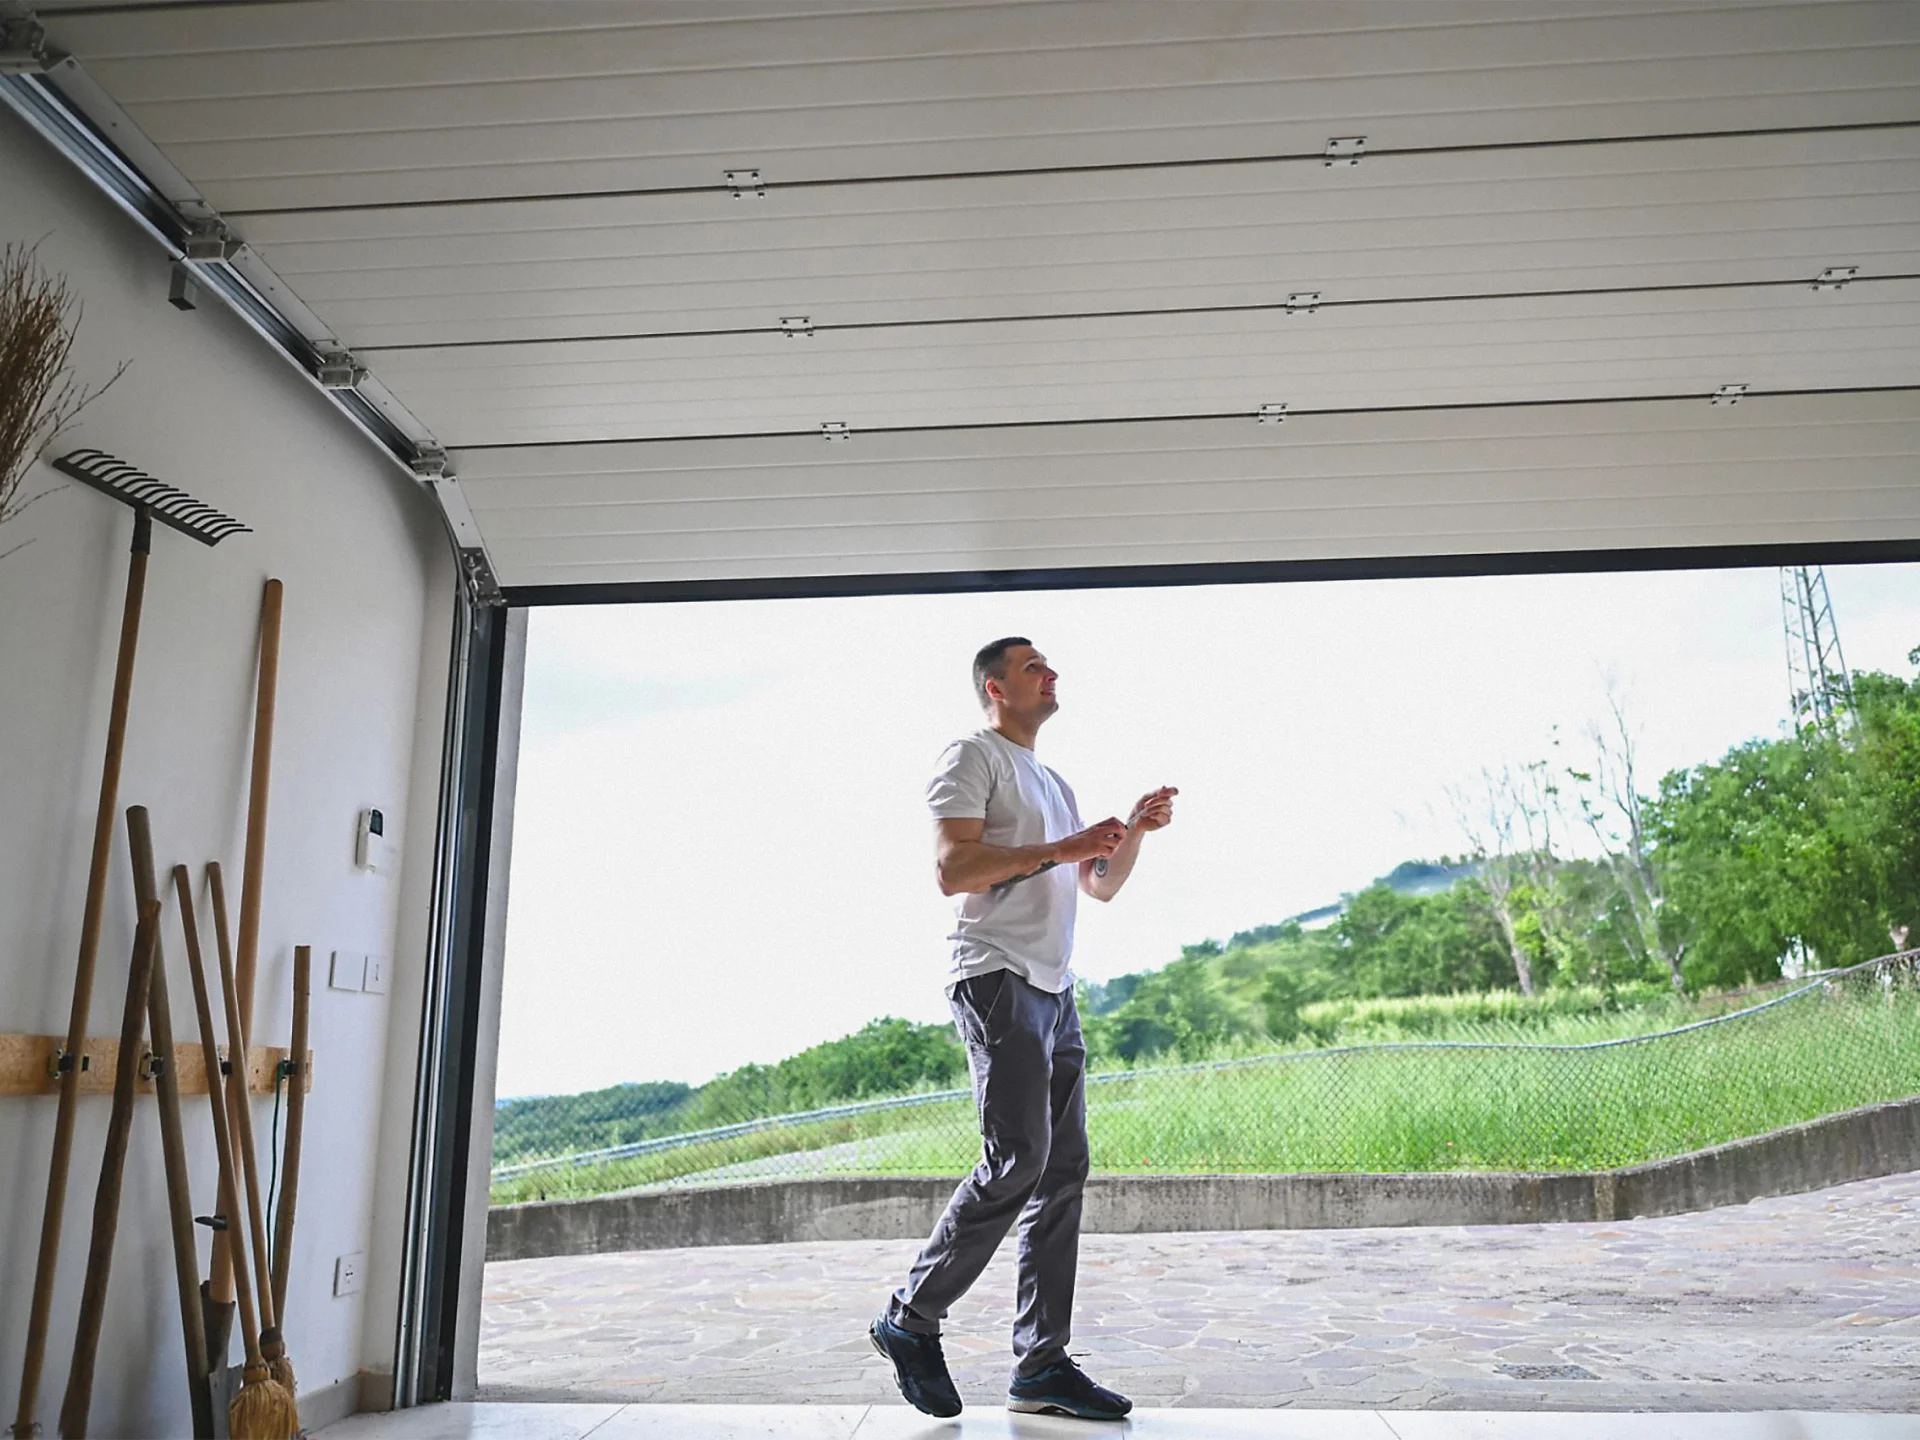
x: 206, y: 405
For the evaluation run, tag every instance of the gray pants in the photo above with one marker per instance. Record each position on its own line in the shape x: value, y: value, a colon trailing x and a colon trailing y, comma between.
x: 1029, y: 1080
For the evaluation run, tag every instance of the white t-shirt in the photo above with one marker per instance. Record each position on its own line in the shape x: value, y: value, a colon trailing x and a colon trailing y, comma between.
x: 1026, y: 927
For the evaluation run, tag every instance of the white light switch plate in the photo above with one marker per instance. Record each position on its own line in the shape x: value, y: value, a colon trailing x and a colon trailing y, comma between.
x: 349, y: 1273
x: 348, y: 971
x: 375, y: 982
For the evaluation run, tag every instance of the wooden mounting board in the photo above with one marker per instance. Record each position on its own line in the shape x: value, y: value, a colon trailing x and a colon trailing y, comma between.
x: 25, y: 1062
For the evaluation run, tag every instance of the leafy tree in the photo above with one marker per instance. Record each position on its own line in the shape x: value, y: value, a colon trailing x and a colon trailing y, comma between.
x: 1805, y: 844
x: 1282, y: 994
x: 1889, y: 757
x: 1392, y: 944
x: 1182, y: 1009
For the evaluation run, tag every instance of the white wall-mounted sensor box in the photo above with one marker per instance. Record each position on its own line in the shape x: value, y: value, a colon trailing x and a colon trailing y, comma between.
x: 373, y: 849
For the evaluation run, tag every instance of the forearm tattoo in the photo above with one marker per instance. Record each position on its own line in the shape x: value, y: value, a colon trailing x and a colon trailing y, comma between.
x: 1006, y: 885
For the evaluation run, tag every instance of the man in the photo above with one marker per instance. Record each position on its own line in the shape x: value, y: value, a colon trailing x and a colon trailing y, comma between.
x: 1010, y: 845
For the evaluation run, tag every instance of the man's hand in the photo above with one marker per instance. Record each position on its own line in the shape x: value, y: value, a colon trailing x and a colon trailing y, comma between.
x: 1153, y: 811
x: 1102, y: 874
x: 1096, y: 842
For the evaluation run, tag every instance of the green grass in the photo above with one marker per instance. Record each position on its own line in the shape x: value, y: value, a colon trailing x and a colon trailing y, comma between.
x: 1503, y: 1093
x: 953, y: 1117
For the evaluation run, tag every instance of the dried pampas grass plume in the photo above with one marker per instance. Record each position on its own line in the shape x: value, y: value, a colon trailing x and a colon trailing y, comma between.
x: 39, y: 395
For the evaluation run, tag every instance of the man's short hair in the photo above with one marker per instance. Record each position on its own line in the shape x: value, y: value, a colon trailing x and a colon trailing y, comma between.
x: 991, y: 664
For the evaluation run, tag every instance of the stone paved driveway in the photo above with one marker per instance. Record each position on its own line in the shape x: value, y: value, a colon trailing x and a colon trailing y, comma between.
x: 1808, y: 1302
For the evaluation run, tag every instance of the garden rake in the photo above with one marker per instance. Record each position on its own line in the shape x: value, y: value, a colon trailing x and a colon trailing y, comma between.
x: 151, y: 500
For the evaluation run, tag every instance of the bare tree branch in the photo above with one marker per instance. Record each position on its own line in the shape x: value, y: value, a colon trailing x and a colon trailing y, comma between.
x: 1506, y: 836
x: 1615, y: 813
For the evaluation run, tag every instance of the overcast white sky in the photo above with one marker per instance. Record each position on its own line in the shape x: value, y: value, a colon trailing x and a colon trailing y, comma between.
x: 721, y: 852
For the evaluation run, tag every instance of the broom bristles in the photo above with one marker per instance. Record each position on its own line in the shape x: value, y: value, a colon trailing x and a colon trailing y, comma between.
x: 263, y: 1410
x: 273, y: 1350
x: 282, y: 1371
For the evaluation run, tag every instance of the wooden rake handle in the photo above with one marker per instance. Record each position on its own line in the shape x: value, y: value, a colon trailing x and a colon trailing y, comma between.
x: 48, y: 1261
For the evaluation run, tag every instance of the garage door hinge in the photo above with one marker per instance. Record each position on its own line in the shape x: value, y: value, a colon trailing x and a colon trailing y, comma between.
x: 210, y: 242
x: 23, y: 47
x: 835, y: 430
x: 1303, y: 303
x: 796, y: 325
x: 1835, y: 277
x: 1272, y: 413
x: 745, y: 182
x: 1345, y: 150
x: 338, y: 370
x: 1729, y: 394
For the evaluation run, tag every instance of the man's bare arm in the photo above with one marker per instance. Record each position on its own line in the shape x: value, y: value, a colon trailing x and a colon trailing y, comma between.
x: 1102, y: 877
x: 965, y: 864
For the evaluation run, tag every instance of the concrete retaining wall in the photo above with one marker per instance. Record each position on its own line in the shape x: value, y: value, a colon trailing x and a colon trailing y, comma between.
x: 1857, y: 1145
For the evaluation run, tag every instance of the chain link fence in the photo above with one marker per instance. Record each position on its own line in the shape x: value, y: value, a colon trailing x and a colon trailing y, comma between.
x: 1841, y: 1040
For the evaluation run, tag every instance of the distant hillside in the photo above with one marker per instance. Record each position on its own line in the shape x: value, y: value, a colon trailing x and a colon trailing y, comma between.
x: 1409, y: 877
x: 1255, y: 984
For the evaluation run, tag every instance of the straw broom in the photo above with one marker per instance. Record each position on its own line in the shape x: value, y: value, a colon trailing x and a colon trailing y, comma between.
x: 242, y: 1117
x: 264, y: 1409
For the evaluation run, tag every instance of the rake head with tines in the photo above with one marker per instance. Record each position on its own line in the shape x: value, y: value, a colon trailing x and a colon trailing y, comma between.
x: 164, y: 502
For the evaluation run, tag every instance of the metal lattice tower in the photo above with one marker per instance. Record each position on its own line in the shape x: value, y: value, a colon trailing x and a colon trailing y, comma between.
x: 1820, y: 689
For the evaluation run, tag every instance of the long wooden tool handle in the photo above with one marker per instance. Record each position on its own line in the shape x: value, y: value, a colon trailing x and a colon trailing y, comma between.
x: 296, y: 1123
x: 242, y: 1114
x: 216, y: 1102
x: 220, y: 1270
x: 90, y: 918
x: 250, y: 879
x: 173, y: 1145
x: 106, y: 1200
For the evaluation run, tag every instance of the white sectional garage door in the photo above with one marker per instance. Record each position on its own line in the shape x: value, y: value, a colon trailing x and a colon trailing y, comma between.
x: 733, y: 291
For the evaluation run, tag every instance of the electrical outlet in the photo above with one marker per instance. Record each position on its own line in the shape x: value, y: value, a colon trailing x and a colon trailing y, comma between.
x: 375, y: 982
x: 348, y: 971
x: 349, y: 1273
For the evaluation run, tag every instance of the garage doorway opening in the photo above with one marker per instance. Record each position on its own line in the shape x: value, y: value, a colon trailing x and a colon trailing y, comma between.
x: 1417, y: 816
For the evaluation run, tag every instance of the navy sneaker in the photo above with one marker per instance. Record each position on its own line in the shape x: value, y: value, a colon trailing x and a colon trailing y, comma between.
x: 1063, y: 1389
x: 919, y: 1368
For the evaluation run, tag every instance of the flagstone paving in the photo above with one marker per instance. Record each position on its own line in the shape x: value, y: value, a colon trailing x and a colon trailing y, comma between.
x: 1808, y: 1302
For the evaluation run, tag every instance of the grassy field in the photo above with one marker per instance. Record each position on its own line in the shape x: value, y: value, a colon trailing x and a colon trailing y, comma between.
x: 1492, y: 1085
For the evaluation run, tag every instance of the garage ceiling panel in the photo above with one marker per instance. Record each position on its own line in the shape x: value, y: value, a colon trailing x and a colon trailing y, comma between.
x: 1497, y: 351
x: 1770, y: 470
x: 1771, y: 207
x: 303, y: 105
